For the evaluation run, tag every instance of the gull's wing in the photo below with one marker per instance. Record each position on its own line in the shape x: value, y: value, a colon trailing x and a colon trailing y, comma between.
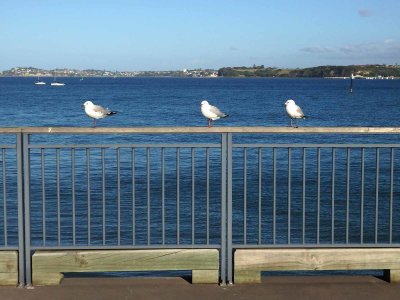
x: 299, y: 111
x: 100, y: 109
x: 216, y: 111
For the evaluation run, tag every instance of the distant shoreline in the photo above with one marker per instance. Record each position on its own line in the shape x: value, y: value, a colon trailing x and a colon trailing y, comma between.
x: 215, y: 78
x: 358, y: 71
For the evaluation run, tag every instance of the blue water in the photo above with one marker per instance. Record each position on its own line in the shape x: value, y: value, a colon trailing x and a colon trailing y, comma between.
x: 176, y: 102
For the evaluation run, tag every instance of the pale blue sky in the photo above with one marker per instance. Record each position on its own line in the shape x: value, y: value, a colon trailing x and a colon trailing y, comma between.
x: 177, y: 34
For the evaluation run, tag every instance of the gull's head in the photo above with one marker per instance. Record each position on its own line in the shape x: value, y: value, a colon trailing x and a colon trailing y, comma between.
x: 289, y: 102
x: 204, y: 102
x: 87, y: 103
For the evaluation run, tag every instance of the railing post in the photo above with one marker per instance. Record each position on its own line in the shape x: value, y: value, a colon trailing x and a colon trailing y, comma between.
x: 223, y: 260
x: 229, y: 210
x: 27, y: 227
x: 226, y: 209
x: 21, y: 223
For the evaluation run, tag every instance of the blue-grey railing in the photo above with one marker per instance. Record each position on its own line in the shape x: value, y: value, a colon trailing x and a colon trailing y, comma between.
x: 223, y: 188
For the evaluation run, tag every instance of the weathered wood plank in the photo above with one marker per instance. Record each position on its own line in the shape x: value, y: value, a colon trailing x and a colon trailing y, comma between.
x: 8, y: 267
x: 205, y: 276
x: 392, y: 276
x: 125, y: 260
x: 250, y: 262
x: 8, y: 261
x: 203, y: 262
x: 202, y: 129
x: 45, y: 278
x: 317, y: 259
x: 247, y: 276
x: 10, y: 278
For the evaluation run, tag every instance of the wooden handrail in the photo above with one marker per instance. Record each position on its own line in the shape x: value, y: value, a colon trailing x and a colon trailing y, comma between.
x: 203, y: 130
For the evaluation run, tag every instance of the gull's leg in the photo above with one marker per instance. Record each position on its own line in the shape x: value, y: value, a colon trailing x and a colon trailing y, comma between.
x: 291, y: 125
x: 297, y: 125
x: 209, y: 123
x: 94, y: 122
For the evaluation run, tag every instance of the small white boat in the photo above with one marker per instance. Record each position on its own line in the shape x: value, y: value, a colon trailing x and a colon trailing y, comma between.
x: 56, y: 83
x: 39, y: 82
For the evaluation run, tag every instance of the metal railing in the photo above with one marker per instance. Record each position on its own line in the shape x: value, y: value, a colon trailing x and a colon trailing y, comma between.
x: 96, y: 188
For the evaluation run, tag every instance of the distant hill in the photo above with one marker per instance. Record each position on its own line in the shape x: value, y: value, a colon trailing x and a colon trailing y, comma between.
x: 321, y: 71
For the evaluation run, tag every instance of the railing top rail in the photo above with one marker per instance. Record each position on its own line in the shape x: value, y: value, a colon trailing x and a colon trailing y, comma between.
x: 205, y: 130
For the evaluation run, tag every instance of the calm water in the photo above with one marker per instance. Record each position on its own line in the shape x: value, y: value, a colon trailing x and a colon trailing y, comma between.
x: 176, y: 102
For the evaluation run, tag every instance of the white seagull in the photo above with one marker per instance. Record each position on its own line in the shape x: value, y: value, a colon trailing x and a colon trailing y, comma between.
x: 294, y: 111
x: 212, y: 113
x: 96, y: 111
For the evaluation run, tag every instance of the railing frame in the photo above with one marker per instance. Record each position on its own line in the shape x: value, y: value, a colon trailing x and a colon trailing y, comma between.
x: 226, y: 247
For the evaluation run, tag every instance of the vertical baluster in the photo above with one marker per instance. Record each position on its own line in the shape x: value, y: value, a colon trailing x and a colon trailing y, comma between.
x: 208, y: 194
x: 73, y: 196
x: 333, y: 197
x: 304, y: 197
x: 348, y: 195
x: 133, y: 199
x: 391, y: 195
x: 119, y: 196
x: 88, y: 195
x: 103, y: 191
x: 259, y: 195
x: 178, y: 226
x: 289, y: 194
x: 163, y: 194
x: 245, y: 195
x: 148, y: 195
x: 4, y: 197
x: 318, y: 194
x: 362, y: 195
x: 43, y: 196
x: 377, y: 195
x: 58, y: 196
x: 274, y: 198
x: 193, y: 190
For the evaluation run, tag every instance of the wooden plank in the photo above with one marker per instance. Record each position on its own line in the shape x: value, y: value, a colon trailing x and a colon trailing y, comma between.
x: 8, y: 268
x: 8, y: 261
x: 125, y: 260
x: 10, y: 278
x: 47, y: 266
x: 317, y: 259
x: 247, y: 276
x: 205, y: 276
x: 202, y: 129
x: 392, y: 276
x: 45, y: 278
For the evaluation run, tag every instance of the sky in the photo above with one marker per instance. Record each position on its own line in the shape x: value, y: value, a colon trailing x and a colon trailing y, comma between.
x: 133, y: 35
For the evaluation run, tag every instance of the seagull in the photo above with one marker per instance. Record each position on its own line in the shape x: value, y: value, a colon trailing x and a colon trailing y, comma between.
x: 212, y: 113
x: 96, y: 111
x: 294, y: 111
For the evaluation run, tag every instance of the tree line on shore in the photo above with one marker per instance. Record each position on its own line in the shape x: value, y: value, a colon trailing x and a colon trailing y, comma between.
x: 320, y: 71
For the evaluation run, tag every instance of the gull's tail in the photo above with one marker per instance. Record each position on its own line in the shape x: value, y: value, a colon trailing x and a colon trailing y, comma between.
x: 111, y: 113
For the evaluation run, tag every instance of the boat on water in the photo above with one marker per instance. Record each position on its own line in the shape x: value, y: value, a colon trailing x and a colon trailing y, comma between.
x: 56, y: 83
x: 40, y: 82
